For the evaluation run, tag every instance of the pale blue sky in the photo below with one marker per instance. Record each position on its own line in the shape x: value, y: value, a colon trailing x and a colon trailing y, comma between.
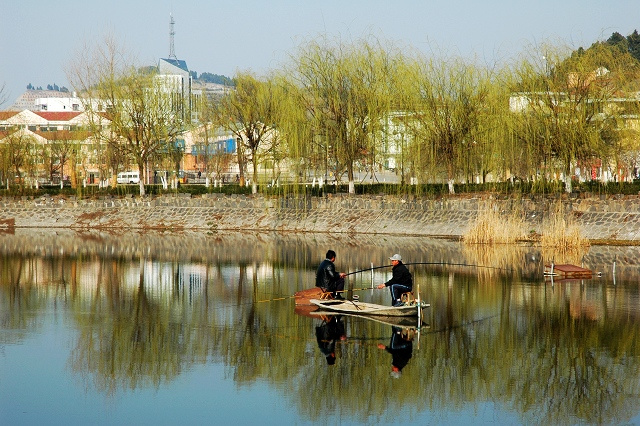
x: 38, y: 37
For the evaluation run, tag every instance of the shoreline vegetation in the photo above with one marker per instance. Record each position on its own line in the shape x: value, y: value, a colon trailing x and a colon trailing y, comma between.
x: 270, y: 187
x: 558, y: 228
x: 490, y: 237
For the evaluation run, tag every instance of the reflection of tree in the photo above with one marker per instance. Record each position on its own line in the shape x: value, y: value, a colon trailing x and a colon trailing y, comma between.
x: 20, y: 300
x: 131, y: 340
x: 571, y: 369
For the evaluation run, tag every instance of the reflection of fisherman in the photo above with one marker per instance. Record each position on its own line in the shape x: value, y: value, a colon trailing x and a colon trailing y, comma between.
x: 401, y: 348
x: 327, y: 334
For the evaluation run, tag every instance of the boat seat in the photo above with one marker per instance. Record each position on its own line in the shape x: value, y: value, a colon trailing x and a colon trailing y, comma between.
x: 408, y: 298
x: 326, y: 295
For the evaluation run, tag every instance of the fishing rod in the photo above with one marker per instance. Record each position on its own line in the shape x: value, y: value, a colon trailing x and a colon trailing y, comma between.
x: 432, y: 263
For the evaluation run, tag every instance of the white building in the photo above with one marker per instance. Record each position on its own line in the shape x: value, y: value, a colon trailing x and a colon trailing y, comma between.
x: 175, y: 78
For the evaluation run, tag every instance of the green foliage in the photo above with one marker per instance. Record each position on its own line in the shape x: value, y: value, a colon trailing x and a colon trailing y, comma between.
x: 506, y: 189
x: 207, y: 77
x: 630, y: 44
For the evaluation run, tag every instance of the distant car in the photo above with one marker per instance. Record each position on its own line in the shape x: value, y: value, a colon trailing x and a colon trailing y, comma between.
x: 128, y: 177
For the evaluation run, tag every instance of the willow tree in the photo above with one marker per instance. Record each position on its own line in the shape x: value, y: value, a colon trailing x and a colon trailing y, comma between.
x: 448, y: 107
x: 346, y: 93
x: 299, y: 148
x: 144, y: 120
x: 250, y: 112
x: 17, y: 149
x: 567, y: 106
x: 491, y: 145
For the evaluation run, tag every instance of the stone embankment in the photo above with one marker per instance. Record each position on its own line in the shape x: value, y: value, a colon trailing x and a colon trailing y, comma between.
x: 613, y: 218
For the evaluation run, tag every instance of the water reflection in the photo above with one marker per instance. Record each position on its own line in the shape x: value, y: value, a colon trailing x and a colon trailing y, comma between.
x: 401, y: 349
x: 144, y: 315
x: 330, y: 331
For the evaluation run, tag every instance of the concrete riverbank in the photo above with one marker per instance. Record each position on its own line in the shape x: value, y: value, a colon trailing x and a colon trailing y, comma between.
x: 613, y: 218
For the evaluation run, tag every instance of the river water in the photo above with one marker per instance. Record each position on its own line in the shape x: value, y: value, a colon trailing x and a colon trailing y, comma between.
x: 189, y: 328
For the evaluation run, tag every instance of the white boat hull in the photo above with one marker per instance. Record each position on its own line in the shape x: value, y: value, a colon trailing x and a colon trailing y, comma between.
x: 362, y: 308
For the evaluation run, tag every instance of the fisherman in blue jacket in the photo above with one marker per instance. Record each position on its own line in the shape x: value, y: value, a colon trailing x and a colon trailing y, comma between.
x: 401, y: 281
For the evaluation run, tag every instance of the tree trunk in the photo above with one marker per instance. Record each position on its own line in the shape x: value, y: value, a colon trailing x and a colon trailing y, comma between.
x: 141, y: 181
x: 567, y: 178
x: 254, y: 181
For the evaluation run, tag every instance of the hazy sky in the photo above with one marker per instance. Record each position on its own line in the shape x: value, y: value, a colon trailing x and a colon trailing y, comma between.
x: 38, y: 38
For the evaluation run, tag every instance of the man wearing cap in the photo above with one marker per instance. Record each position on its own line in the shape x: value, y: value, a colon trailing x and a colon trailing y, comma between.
x: 328, y: 279
x: 401, y: 280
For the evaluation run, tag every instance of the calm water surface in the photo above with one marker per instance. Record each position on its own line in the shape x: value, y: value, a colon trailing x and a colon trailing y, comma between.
x: 202, y: 329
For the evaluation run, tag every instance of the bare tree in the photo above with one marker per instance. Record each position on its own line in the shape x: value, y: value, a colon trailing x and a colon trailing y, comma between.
x: 17, y: 151
x: 144, y: 119
x: 3, y: 94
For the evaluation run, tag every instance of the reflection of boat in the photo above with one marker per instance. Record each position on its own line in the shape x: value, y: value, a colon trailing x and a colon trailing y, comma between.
x: 362, y: 308
x: 313, y: 311
x: 307, y: 310
x: 402, y: 322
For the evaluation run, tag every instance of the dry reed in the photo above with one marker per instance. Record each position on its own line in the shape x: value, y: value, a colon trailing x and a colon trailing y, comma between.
x: 495, y: 227
x: 559, y: 230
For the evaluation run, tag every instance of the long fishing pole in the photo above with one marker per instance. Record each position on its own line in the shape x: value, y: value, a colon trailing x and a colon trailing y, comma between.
x: 432, y: 263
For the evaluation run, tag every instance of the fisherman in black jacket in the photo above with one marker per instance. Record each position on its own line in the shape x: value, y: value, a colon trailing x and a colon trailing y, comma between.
x: 328, y: 279
x: 401, y: 281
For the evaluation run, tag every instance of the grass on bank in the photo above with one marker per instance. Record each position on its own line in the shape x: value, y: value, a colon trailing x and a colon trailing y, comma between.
x: 495, y: 227
x: 557, y: 231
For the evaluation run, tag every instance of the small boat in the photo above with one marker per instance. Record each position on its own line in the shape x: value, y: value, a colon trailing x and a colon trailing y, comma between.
x: 362, y: 308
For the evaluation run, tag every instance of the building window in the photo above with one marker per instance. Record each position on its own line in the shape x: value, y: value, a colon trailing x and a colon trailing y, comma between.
x: 75, y: 107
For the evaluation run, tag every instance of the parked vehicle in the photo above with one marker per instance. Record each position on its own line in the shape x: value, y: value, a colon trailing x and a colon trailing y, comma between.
x: 128, y: 177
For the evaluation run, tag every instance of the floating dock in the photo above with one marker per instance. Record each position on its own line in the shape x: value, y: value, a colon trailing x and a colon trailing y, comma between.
x: 567, y: 271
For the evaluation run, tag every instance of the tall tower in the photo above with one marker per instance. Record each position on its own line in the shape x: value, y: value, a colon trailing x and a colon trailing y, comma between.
x: 172, y: 51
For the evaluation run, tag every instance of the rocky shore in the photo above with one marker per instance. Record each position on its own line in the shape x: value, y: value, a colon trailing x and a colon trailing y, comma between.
x: 613, y: 219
